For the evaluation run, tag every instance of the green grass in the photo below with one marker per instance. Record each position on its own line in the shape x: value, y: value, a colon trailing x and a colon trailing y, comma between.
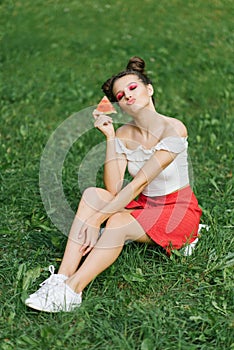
x: 54, y: 57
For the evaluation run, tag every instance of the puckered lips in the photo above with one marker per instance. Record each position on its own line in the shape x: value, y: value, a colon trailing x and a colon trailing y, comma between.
x: 131, y: 101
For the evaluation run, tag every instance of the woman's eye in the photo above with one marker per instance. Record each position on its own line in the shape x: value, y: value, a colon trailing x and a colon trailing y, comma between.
x: 119, y: 96
x: 132, y: 86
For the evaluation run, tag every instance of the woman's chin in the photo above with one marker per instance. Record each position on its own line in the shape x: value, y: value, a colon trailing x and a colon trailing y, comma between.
x: 134, y: 108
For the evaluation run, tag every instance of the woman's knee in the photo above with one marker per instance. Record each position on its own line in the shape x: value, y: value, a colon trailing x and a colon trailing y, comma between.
x: 96, y: 192
x: 89, y: 192
x: 118, y: 222
x: 114, y: 233
x: 124, y: 225
x: 96, y: 198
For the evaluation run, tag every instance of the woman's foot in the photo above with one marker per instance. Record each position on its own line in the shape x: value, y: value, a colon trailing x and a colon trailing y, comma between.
x: 54, y: 295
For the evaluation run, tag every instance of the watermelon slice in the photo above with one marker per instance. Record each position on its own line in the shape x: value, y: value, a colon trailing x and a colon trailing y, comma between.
x: 105, y: 106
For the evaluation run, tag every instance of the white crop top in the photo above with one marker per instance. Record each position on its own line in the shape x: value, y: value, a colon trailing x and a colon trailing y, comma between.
x: 173, y: 177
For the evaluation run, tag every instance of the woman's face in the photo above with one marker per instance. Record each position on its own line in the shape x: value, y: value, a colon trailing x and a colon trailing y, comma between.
x: 132, y: 94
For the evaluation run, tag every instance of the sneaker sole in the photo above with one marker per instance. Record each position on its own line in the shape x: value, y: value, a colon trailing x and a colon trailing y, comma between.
x: 38, y: 308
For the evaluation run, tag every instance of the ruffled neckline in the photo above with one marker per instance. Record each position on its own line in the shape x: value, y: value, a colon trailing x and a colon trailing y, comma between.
x: 152, y: 149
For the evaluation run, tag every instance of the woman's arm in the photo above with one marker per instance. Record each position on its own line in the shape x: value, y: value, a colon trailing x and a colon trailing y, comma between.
x: 159, y: 161
x: 114, y: 168
x: 115, y: 164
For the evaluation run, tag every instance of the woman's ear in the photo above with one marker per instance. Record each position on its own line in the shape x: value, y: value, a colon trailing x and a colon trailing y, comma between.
x: 150, y: 89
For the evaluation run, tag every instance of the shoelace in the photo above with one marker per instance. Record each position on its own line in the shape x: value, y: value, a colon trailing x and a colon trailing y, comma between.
x: 51, y: 281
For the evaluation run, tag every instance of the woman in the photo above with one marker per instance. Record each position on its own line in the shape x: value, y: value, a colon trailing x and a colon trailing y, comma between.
x: 166, y: 212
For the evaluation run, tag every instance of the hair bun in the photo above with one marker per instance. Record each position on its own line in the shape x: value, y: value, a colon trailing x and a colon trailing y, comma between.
x: 137, y: 64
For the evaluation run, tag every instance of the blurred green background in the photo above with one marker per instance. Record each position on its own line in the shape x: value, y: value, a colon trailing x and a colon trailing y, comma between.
x: 54, y: 56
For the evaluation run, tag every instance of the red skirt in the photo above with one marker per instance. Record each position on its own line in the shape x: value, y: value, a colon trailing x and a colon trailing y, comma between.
x: 171, y: 221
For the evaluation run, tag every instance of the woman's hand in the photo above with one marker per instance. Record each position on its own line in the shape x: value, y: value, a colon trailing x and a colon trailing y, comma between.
x: 104, y: 123
x: 90, y: 232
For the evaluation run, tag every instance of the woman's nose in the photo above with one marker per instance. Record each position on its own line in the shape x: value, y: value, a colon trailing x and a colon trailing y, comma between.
x: 127, y: 93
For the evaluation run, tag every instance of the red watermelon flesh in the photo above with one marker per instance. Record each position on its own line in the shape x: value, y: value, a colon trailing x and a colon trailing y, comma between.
x: 105, y: 106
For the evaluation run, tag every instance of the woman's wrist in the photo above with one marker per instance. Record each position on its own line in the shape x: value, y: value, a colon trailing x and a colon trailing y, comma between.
x: 110, y: 137
x: 99, y: 219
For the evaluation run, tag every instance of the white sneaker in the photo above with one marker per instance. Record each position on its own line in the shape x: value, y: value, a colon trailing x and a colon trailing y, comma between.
x: 54, y: 279
x: 54, y: 295
x: 188, y: 250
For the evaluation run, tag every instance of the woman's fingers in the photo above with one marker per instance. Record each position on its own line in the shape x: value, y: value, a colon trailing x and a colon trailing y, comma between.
x: 88, y: 249
x: 92, y: 243
x: 104, y: 123
x: 101, y: 117
x: 89, y: 242
x: 97, y: 114
x: 85, y: 243
x: 103, y: 120
x: 81, y: 232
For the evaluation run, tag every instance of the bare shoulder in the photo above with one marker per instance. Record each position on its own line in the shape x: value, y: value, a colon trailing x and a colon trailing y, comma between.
x: 124, y: 131
x: 176, y: 126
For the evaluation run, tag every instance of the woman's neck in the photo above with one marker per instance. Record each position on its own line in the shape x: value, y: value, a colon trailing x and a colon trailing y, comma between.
x: 146, y: 120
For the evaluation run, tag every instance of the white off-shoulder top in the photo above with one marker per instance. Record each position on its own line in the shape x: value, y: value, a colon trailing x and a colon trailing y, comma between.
x: 173, y: 177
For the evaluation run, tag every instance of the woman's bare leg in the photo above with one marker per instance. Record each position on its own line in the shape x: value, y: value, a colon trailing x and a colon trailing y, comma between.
x: 93, y: 199
x: 120, y: 227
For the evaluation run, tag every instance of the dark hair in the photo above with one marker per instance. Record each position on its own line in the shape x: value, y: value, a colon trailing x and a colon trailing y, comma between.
x: 136, y: 66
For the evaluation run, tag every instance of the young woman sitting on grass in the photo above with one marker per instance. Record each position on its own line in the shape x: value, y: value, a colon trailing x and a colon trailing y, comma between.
x: 157, y: 206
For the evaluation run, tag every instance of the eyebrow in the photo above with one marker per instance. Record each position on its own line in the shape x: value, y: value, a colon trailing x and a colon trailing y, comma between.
x: 133, y: 82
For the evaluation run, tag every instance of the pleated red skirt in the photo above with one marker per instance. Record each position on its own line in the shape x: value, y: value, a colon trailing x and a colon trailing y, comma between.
x: 171, y: 221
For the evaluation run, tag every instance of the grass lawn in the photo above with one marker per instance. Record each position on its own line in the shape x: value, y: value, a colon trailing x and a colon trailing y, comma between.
x: 54, y: 56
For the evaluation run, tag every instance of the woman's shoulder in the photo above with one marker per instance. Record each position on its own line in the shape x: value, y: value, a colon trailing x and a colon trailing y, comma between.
x: 125, y: 131
x: 174, y: 127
